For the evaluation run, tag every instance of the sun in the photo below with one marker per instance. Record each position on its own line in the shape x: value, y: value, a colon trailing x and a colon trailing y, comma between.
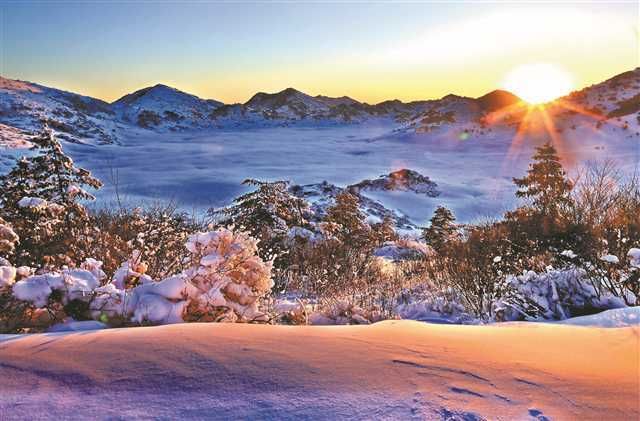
x: 538, y: 83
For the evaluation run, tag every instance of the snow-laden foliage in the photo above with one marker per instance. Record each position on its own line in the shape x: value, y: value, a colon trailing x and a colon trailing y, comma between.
x: 442, y: 306
x: 7, y: 276
x: 634, y: 257
x: 268, y: 213
x: 73, y: 284
x: 551, y: 295
x: 344, y: 313
x: 224, y: 281
x: 40, y: 197
x: 228, y: 275
x: 8, y: 240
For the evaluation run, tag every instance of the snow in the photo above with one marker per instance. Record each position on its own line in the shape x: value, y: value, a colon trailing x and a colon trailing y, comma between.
x: 37, y: 289
x: 76, y: 284
x: 7, y: 276
x: 388, y: 370
x: 619, y: 317
x: 610, y: 258
x: 32, y: 202
x: 157, y: 309
x: 634, y: 257
x: 75, y: 326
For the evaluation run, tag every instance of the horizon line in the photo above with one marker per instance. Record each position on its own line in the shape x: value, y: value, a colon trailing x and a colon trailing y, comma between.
x: 313, y: 96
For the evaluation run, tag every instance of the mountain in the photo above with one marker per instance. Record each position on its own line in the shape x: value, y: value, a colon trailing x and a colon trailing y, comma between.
x: 76, y: 118
x: 161, y: 106
x: 465, y: 111
x: 615, y: 97
x: 80, y: 119
x: 497, y: 100
x: 291, y: 105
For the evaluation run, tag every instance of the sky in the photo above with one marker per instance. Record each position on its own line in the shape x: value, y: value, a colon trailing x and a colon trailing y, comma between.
x: 371, y: 51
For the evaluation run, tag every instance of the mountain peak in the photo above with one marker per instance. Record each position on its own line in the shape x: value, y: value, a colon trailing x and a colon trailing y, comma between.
x: 497, y: 99
x: 276, y: 100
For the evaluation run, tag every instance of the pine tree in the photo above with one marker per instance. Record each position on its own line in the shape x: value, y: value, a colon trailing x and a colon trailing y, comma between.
x: 546, y: 183
x: 51, y: 228
x: 346, y: 251
x: 346, y: 222
x: 266, y: 213
x: 442, y: 229
x: 385, y: 230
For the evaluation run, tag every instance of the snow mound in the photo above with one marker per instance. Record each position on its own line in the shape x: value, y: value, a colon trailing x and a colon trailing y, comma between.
x: 396, y: 370
x: 619, y: 317
x: 75, y: 326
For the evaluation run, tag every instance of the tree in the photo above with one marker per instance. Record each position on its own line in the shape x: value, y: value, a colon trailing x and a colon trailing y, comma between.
x: 346, y: 222
x: 545, y: 224
x: 385, y: 230
x: 41, y: 198
x: 546, y: 183
x: 338, y: 263
x: 266, y: 213
x: 442, y: 229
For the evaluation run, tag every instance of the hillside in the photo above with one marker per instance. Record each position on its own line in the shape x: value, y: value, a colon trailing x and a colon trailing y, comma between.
x: 161, y: 106
x: 77, y: 119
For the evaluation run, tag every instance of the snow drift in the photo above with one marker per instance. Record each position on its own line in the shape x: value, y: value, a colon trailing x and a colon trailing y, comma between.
x: 389, y: 370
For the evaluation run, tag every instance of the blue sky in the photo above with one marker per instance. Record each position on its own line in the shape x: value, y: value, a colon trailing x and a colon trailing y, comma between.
x: 371, y: 51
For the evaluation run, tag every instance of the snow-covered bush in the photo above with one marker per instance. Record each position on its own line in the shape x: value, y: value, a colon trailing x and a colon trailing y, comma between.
x: 225, y: 281
x: 228, y: 275
x: 344, y: 313
x: 268, y: 213
x: 435, y: 305
x: 552, y: 295
x: 7, y: 276
x: 8, y: 240
x: 291, y: 311
x: 157, y: 234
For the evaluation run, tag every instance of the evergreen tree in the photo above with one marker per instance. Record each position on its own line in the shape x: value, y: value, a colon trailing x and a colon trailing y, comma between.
x: 346, y: 222
x: 347, y: 249
x: 385, y: 230
x: 41, y: 197
x: 442, y: 229
x: 546, y: 183
x: 266, y: 213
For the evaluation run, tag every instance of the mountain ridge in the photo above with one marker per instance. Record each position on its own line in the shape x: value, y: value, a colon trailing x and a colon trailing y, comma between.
x: 82, y: 119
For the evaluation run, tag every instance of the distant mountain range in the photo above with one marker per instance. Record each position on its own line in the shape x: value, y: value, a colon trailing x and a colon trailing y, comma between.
x: 26, y: 107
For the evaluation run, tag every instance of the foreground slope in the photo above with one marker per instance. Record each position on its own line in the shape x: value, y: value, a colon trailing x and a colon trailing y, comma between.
x: 390, y: 370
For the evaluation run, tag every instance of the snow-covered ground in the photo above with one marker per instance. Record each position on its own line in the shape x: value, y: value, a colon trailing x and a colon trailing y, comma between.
x: 389, y: 370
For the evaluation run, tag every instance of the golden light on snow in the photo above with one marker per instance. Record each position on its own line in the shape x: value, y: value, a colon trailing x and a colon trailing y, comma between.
x: 538, y: 83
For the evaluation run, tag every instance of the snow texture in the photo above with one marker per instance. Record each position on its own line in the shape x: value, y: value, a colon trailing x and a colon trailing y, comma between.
x: 389, y: 370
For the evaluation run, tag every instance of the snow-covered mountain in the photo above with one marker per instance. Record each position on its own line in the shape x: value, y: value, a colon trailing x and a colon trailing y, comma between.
x: 470, y: 112
x: 615, y: 97
x: 76, y: 118
x: 291, y: 106
x: 164, y: 107
x: 80, y: 119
